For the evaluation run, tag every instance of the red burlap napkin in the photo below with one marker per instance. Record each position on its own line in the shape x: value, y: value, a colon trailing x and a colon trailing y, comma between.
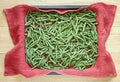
x: 15, y: 59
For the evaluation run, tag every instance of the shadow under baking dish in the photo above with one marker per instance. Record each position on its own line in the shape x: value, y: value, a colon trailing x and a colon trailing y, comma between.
x: 61, y: 41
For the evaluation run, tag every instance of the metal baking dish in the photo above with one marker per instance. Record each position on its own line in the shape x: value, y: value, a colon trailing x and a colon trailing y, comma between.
x: 61, y: 7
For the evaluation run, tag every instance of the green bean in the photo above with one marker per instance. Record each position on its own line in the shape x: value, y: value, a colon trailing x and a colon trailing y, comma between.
x: 59, y: 41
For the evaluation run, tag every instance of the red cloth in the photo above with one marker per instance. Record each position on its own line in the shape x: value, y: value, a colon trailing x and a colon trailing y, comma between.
x: 15, y: 59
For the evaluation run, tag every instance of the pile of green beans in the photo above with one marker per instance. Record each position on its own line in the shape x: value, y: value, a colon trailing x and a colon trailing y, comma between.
x: 60, y: 41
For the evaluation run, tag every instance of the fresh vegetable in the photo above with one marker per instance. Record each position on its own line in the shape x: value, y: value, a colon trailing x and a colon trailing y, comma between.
x: 61, y: 41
